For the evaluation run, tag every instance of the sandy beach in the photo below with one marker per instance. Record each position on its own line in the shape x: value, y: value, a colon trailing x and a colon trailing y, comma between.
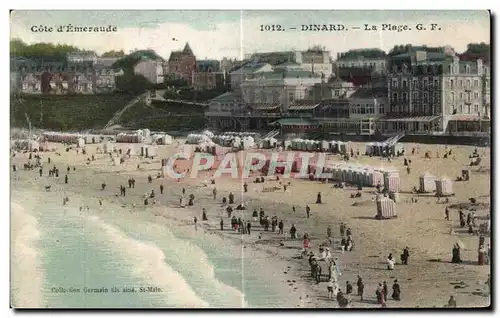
x: 429, y: 279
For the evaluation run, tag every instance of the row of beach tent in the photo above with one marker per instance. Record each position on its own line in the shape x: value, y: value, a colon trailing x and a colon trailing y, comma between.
x: 333, y: 146
x: 443, y: 186
x: 381, y: 148
x: 30, y: 145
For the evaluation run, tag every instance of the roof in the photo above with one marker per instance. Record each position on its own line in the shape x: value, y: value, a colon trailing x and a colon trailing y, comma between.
x: 294, y: 121
x: 175, y: 55
x: 287, y: 74
x: 187, y: 50
x: 403, y: 118
x: 369, y: 92
x: 226, y: 96
x: 303, y: 105
x: 106, y: 62
x: 264, y: 106
x: 288, y: 65
x: 205, y: 66
x: 249, y: 68
x: 429, y: 55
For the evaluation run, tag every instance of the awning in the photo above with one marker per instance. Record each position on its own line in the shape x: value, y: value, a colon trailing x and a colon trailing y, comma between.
x: 303, y: 105
x: 468, y: 118
x: 294, y: 122
x: 426, y: 119
x: 264, y: 106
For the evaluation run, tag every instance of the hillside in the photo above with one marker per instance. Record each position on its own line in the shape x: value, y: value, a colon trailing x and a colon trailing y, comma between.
x: 163, y: 116
x: 64, y: 112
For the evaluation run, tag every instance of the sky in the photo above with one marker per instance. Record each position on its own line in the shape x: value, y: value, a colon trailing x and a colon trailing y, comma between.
x: 224, y: 33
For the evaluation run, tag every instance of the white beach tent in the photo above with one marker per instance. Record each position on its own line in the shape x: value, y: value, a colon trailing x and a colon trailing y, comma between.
x: 444, y: 186
x: 386, y: 208
x: 427, y: 182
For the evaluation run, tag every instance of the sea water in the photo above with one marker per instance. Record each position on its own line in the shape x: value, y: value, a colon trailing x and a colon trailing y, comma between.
x: 116, y: 259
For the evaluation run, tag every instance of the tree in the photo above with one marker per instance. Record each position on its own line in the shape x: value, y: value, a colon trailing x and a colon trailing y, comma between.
x: 477, y: 51
x: 133, y: 83
x: 114, y: 54
x: 41, y: 50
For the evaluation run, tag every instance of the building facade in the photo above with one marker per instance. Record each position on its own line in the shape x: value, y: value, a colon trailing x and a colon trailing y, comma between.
x: 437, y: 87
x: 239, y: 75
x: 280, y: 87
x: 182, y: 64
x: 209, y: 75
x: 78, y: 76
x: 151, y: 69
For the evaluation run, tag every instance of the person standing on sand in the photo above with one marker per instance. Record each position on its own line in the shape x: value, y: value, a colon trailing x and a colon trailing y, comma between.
x: 195, y: 223
x: 385, y: 289
x: 329, y: 288
x: 41, y: 172
x: 318, y: 198
x: 348, y: 288
x: 204, y: 215
x: 280, y: 227
x: 342, y: 229
x: 183, y: 191
x: 161, y: 188
x: 255, y: 215
x: 446, y: 214
x: 396, y: 290
x: 245, y: 187
x: 249, y: 227
x: 293, y: 209
x: 361, y: 287
x: 221, y: 224
x: 214, y: 192
x: 231, y: 198
x: 452, y: 303
x: 308, y: 211
x: 293, y: 232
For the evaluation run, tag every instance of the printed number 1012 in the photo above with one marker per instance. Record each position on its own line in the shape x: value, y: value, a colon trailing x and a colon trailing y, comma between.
x: 271, y: 27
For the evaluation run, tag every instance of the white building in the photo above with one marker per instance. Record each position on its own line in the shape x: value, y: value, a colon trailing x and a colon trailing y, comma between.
x: 378, y: 64
x: 105, y: 75
x: 287, y: 83
x: 368, y: 102
x: 239, y: 75
x: 151, y: 69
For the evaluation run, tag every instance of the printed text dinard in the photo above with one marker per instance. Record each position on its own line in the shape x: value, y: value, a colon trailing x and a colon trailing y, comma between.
x: 342, y: 27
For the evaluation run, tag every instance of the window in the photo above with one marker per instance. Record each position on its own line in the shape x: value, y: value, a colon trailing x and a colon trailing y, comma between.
x: 336, y: 93
x: 414, y: 84
x: 452, y: 109
x: 291, y: 96
x: 467, y: 69
x: 476, y: 95
x: 461, y: 84
x: 395, y: 84
x: 405, y: 97
x: 404, y: 84
x: 310, y: 93
x: 468, y: 96
x: 425, y: 83
x: 461, y: 108
x: 415, y: 95
x: 468, y: 109
x: 426, y: 97
x: 449, y: 69
x: 436, y: 83
x: 461, y: 96
x: 476, y: 83
x: 451, y: 84
x: 476, y: 108
x: 394, y: 97
x: 452, y: 97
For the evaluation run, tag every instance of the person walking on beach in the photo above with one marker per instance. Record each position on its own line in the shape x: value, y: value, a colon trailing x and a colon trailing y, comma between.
x: 214, y: 192
x: 446, y: 214
x: 204, y: 214
x: 195, y: 223
x: 150, y: 179
x: 342, y: 229
x: 161, y: 188
x: 221, y: 224
x: 249, y: 227
x: 396, y: 291
x: 41, y: 172
x: 385, y: 289
x: 280, y: 227
x: 308, y: 211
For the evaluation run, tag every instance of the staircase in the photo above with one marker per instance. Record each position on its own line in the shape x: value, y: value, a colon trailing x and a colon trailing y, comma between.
x: 271, y: 134
x: 116, y: 117
x: 393, y: 140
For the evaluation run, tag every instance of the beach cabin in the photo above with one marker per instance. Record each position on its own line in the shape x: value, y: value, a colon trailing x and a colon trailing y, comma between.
x: 80, y: 142
x: 325, y: 146
x: 444, y: 187
x: 369, y: 149
x: 146, y: 133
x: 392, y: 181
x: 386, y: 208
x: 108, y: 147
x: 427, y: 183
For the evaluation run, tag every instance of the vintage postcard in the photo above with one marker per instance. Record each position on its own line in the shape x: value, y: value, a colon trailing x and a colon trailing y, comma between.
x: 250, y: 159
